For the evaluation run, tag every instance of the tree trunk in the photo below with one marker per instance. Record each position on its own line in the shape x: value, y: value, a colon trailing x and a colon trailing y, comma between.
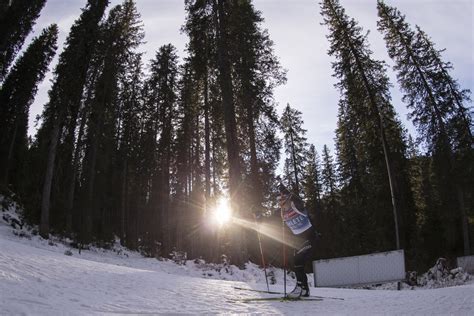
x: 73, y: 176
x: 207, y: 130
x: 230, y: 126
x: 10, y: 155
x: 255, y: 194
x: 89, y: 209
x: 48, y: 179
x: 123, y: 204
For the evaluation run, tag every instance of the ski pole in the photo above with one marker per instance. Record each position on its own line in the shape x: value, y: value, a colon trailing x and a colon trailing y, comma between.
x: 261, y: 252
x: 284, y: 257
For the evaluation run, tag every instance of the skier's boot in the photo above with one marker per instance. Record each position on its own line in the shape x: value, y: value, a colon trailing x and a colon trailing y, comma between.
x: 296, y: 293
x: 305, y: 291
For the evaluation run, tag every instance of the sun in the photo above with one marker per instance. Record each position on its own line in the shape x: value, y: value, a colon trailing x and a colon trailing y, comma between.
x: 223, y: 212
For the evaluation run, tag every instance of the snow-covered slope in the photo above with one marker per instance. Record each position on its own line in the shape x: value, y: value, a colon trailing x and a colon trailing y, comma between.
x: 39, y: 279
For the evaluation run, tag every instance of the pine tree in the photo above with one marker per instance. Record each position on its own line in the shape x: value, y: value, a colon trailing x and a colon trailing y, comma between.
x: 352, y: 166
x: 162, y: 98
x: 329, y: 219
x: 364, y: 86
x: 328, y: 176
x: 221, y: 10
x: 202, y: 52
x: 439, y: 112
x: 130, y: 107
x: 121, y: 33
x: 221, y: 13
x: 256, y: 72
x: 429, y: 234
x: 312, y: 181
x: 65, y: 94
x: 16, y: 95
x: 16, y: 22
x: 296, y: 146
x: 253, y: 72
x: 201, y: 102
x: 187, y: 109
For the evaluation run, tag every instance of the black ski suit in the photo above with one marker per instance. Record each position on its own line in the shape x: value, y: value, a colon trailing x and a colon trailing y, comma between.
x: 297, y: 219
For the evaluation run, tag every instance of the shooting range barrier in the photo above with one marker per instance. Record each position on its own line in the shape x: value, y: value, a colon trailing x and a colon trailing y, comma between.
x: 360, y: 270
x: 466, y: 263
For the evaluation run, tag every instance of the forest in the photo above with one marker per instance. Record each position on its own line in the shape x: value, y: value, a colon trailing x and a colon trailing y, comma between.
x: 145, y: 151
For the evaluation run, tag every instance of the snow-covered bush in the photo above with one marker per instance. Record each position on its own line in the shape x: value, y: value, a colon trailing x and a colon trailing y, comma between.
x: 149, y: 248
x: 179, y: 257
x: 441, y: 276
x: 12, y: 220
x: 10, y: 213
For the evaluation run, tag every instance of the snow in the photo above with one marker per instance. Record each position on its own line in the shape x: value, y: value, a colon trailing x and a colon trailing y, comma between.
x: 40, y: 277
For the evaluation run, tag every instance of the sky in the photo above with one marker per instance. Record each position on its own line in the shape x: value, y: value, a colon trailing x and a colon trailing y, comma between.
x: 300, y: 44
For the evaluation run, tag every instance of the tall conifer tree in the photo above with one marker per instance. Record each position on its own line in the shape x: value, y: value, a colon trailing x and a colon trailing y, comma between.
x: 228, y: 47
x: 162, y: 97
x: 66, y: 93
x: 365, y: 87
x: 130, y: 107
x: 222, y: 11
x: 121, y: 33
x: 312, y: 181
x: 202, y: 61
x: 328, y: 176
x: 329, y: 218
x: 16, y: 95
x: 256, y: 72
x: 16, y: 22
x: 221, y: 16
x: 439, y: 111
x: 296, y: 146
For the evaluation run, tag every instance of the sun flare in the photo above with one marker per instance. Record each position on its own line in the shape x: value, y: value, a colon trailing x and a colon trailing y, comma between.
x: 223, y: 212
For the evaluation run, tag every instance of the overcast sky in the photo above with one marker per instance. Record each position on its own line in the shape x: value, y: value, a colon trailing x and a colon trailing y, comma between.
x: 301, y: 45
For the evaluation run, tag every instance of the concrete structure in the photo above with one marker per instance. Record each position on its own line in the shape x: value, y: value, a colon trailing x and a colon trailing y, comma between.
x: 360, y: 270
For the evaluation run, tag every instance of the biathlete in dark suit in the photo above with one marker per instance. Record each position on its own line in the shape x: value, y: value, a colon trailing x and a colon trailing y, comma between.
x: 295, y: 216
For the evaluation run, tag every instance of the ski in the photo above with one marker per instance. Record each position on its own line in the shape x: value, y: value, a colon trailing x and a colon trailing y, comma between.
x: 281, y: 293
x: 259, y: 291
x: 277, y: 299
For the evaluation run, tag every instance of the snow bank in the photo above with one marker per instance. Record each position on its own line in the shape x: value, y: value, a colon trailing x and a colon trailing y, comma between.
x: 12, y: 225
x: 438, y: 276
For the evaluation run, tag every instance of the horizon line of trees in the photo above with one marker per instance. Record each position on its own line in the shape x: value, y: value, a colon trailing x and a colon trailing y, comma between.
x: 145, y: 153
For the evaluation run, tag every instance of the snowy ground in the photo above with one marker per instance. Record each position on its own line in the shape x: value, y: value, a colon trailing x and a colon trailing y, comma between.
x: 37, y: 278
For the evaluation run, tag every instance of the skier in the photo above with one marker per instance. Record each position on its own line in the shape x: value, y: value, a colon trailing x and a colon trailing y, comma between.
x: 295, y: 216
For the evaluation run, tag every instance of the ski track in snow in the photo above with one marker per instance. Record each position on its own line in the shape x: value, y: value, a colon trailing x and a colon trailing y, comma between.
x: 38, y: 279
